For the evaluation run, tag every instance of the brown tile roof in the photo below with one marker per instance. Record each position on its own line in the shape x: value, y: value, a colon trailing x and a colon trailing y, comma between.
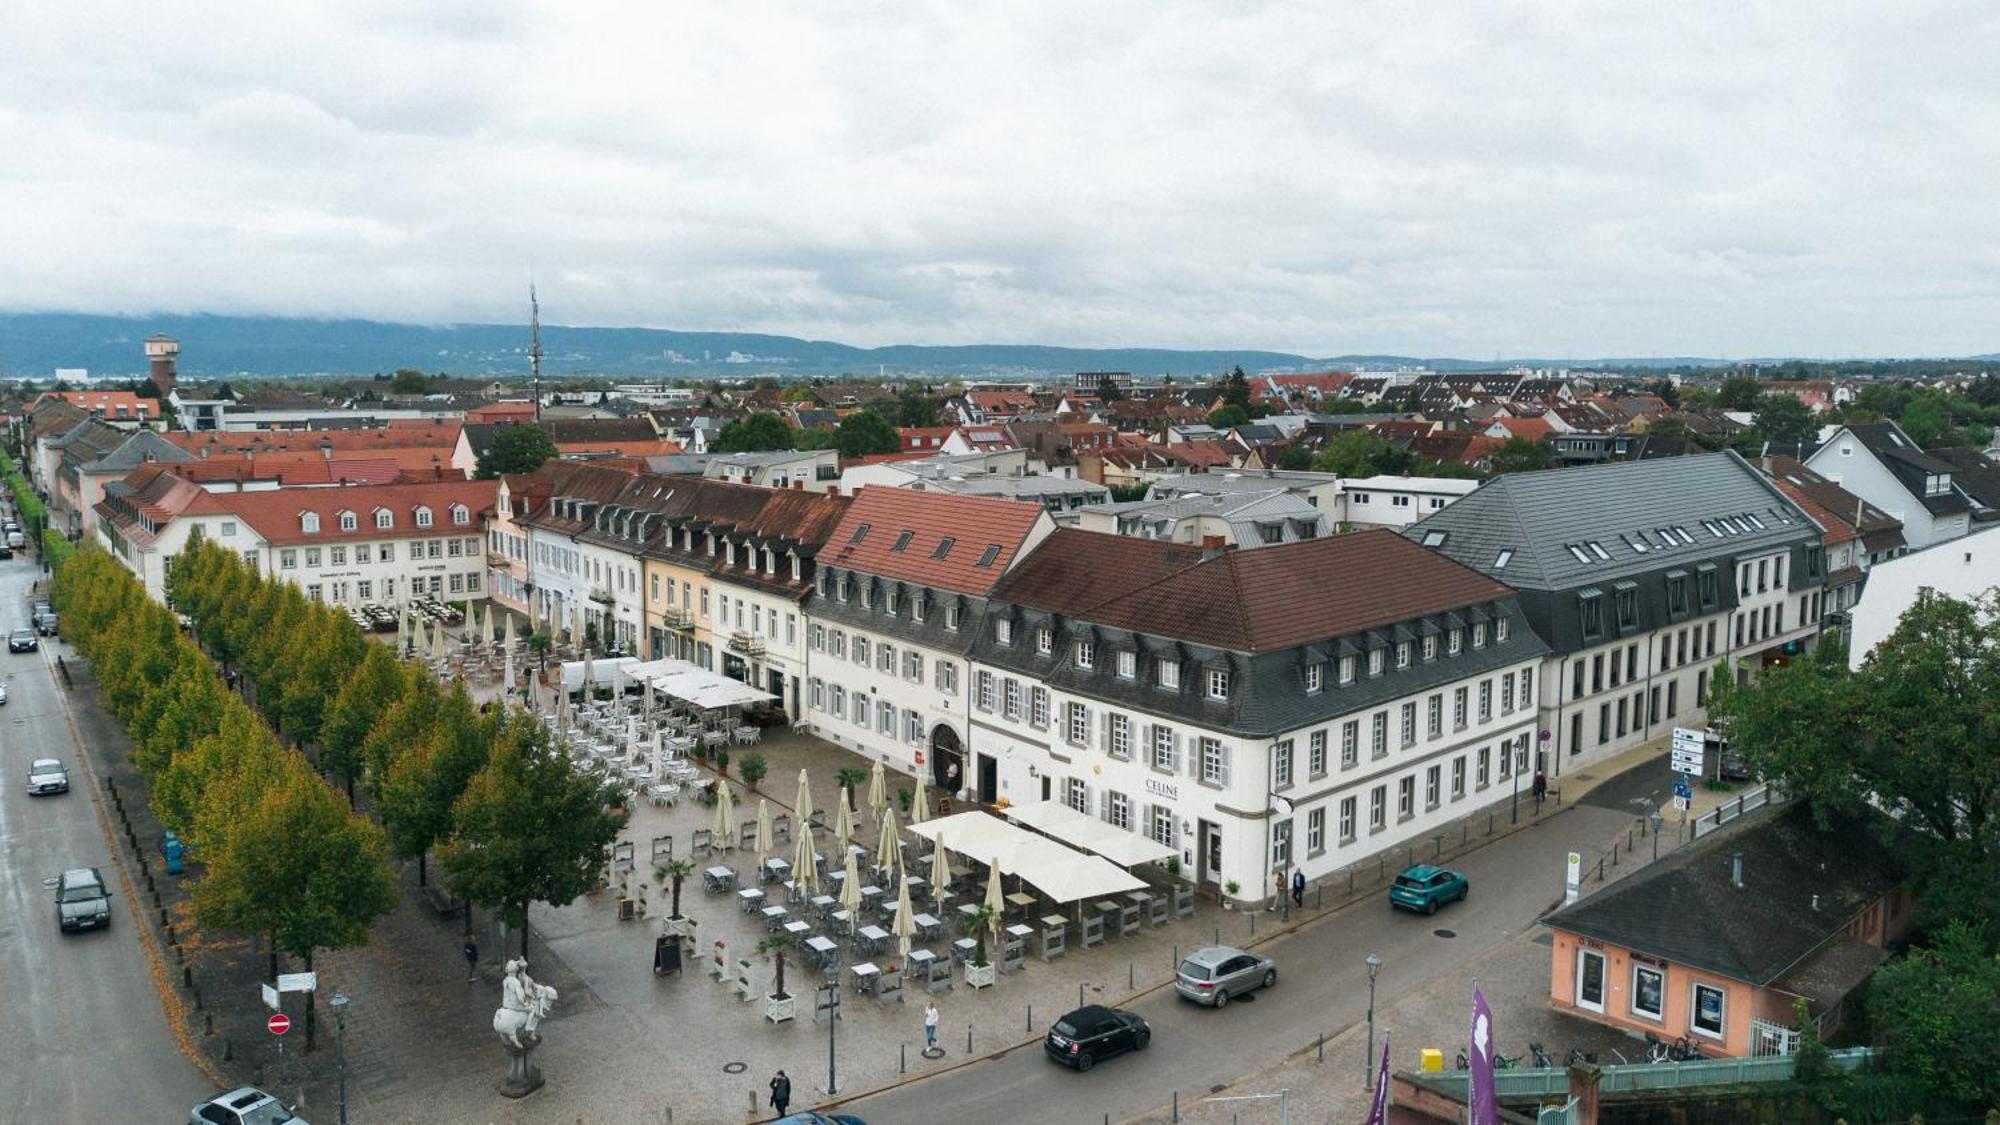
x: 1276, y: 597
x: 291, y: 469
x: 276, y: 514
x: 412, y: 434
x: 1837, y: 529
x: 1072, y: 572
x: 971, y: 523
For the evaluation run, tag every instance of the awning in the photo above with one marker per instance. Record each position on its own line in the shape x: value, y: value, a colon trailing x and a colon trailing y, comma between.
x: 602, y: 671
x: 704, y: 690
x: 1058, y: 872
x: 1116, y: 844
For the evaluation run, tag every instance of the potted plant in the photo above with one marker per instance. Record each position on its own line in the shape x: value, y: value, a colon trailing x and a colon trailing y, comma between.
x: 1174, y: 866
x: 753, y: 769
x: 540, y: 643
x: 903, y: 798
x: 722, y: 761
x: 1230, y: 890
x: 975, y: 925
x: 779, y: 1005
x: 673, y: 871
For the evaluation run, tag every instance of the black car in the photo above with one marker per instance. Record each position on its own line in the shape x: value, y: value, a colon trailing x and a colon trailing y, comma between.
x: 22, y: 640
x: 1082, y: 1037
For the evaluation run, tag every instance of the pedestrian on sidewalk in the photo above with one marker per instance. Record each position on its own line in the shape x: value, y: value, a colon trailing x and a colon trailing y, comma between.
x: 1541, y: 788
x: 781, y: 1093
x: 930, y: 1024
x: 1299, y: 887
x: 471, y: 961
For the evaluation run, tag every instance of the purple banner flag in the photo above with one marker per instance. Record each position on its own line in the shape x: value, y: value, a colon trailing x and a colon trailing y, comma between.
x: 1378, y: 1112
x: 1485, y: 1109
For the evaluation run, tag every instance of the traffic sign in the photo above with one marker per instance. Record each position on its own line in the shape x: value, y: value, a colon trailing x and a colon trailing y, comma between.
x: 1681, y: 801
x: 279, y: 1023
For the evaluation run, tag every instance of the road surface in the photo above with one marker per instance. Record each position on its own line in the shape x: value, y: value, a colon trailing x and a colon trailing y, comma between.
x: 87, y: 1037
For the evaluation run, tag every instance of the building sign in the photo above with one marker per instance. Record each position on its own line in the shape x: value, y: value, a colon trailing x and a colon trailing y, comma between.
x: 1573, y: 880
x: 1689, y: 747
x: 1165, y: 789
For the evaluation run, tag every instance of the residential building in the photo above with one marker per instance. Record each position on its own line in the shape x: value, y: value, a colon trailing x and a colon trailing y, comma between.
x: 1722, y: 939
x: 561, y: 576
x: 1234, y: 519
x: 1963, y: 568
x: 1641, y: 576
x: 901, y: 588
x: 1395, y: 502
x: 1238, y: 708
x: 814, y: 470
x: 1880, y: 463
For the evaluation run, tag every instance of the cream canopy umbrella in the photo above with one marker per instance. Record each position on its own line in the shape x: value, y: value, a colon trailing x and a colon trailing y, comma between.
x: 905, y: 925
x: 475, y: 622
x: 725, y: 816
x: 804, y: 805
x: 843, y: 822
x: 507, y: 663
x: 805, y: 870
x: 996, y: 901
x: 889, y: 848
x: 940, y: 869
x: 439, y: 640
x: 877, y: 800
x: 763, y: 831
x: 510, y: 631
x: 920, y: 805
x: 850, y: 891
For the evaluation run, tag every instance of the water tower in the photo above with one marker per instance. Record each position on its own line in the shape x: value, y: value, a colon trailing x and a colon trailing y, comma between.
x: 161, y: 352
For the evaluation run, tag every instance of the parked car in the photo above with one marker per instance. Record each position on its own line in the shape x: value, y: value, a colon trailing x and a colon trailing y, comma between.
x: 247, y: 1106
x: 1088, y: 1034
x: 22, y: 640
x: 1424, y: 887
x: 45, y: 619
x: 808, y: 1117
x: 82, y: 900
x: 3, y: 695
x: 1218, y: 974
x: 47, y: 775
x: 6, y: 552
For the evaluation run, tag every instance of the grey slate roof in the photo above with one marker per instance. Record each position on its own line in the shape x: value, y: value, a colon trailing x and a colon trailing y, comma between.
x: 1615, y: 505
x: 141, y: 448
x: 1801, y: 887
x: 1910, y: 466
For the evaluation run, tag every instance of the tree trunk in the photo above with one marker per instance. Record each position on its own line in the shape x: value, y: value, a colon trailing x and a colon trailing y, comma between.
x: 273, y: 940
x: 350, y: 793
x: 677, y: 896
x: 468, y: 917
x: 423, y: 871
x: 311, y: 996
x: 524, y: 931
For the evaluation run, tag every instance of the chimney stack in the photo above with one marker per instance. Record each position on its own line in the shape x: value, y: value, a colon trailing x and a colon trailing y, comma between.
x: 1736, y: 870
x: 1211, y: 547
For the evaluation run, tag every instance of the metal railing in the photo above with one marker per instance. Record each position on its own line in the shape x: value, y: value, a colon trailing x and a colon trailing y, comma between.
x: 1747, y: 801
x: 1640, y: 1077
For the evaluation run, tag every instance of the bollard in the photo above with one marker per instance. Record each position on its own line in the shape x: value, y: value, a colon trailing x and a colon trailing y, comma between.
x: 968, y: 1039
x: 208, y: 1024
x: 1218, y: 935
x: 903, y: 1058
x: 1031, y: 1019
x: 187, y: 978
x: 197, y: 997
x: 1175, y: 965
x: 1319, y: 896
x: 1128, y: 979
x: 163, y: 915
x: 228, y: 1049
x: 1437, y: 846
x: 1489, y: 824
x: 1253, y: 923
x: 1079, y: 994
x: 1177, y: 1108
x: 1322, y: 1046
x: 1350, y: 880
x: 1600, y: 869
x: 1464, y: 833
x: 170, y: 935
x: 1628, y: 839
x: 1614, y: 855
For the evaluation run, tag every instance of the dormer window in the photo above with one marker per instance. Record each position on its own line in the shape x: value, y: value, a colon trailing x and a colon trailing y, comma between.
x: 1454, y: 641
x: 1402, y: 654
x: 423, y: 516
x: 823, y: 579
x: 890, y: 601
x: 309, y: 523
x: 1086, y: 654
x: 951, y: 612
x: 1045, y: 640
x: 348, y: 522
x: 1500, y: 631
x: 1003, y: 631
x: 461, y: 515
x: 1128, y: 665
x: 1375, y: 661
x: 795, y: 567
x: 384, y: 519
x: 1430, y: 649
x: 1315, y: 677
x: 1347, y: 669
x: 1218, y: 683
x: 1170, y: 674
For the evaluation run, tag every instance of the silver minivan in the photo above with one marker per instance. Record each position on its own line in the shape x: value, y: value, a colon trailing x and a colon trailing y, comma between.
x: 1214, y: 975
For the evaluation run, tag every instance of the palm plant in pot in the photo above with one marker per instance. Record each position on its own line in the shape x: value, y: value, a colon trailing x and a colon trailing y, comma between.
x: 779, y: 1005
x: 976, y: 924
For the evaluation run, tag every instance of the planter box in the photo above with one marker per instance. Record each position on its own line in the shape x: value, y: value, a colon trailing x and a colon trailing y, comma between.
x: 980, y: 976
x: 778, y: 1009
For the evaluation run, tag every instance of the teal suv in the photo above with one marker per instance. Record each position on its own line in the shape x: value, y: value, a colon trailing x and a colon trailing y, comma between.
x: 1425, y: 888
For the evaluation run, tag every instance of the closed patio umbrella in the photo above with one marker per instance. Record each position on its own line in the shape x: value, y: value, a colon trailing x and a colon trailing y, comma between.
x: 440, y: 641
x: 920, y: 805
x: 843, y: 822
x: 725, y: 816
x: 850, y: 891
x: 804, y: 805
x: 507, y: 664
x: 509, y: 633
x: 905, y: 925
x: 996, y: 901
x: 477, y: 621
x: 805, y: 873
x: 940, y: 870
x: 763, y: 831
x: 889, y: 847
x: 877, y: 800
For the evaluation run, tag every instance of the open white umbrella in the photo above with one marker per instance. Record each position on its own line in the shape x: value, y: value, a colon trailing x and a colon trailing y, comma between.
x: 920, y: 805
x: 996, y: 901
x: 877, y: 800
x: 803, y: 807
x: 725, y: 816
x: 763, y: 831
x: 905, y: 925
x: 843, y: 822
x: 805, y: 871
x: 850, y: 891
x: 889, y: 848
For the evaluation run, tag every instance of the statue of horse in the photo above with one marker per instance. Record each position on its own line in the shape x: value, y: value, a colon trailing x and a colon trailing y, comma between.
x: 523, y: 1007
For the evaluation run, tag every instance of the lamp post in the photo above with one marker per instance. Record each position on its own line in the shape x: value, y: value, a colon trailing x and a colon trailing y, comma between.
x: 1367, y: 1063
x: 339, y: 1005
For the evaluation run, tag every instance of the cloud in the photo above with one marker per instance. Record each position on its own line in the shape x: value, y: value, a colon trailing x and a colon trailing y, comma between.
x: 1529, y: 178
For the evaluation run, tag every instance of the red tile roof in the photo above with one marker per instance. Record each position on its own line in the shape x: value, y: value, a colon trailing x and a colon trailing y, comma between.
x: 972, y: 523
x: 1838, y: 530
x: 110, y: 405
x: 277, y: 514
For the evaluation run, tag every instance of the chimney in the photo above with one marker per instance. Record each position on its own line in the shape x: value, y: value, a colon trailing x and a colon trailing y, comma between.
x: 1211, y: 547
x: 1736, y: 870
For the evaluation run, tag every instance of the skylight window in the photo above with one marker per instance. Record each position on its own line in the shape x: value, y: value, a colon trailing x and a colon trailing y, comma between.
x: 943, y: 548
x: 902, y: 540
x: 1578, y: 552
x: 1434, y: 538
x: 1754, y: 521
x: 1685, y: 537
x: 860, y: 533
x: 987, y: 556
x: 1714, y: 528
x: 1501, y: 560
x: 1638, y: 542
x: 1597, y: 549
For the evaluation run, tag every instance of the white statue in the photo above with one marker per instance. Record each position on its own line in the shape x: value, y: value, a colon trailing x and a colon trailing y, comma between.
x: 523, y: 1005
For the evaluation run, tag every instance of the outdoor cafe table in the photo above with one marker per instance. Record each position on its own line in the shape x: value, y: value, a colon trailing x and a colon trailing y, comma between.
x: 774, y: 918
x: 719, y: 878
x: 927, y: 927
x: 871, y: 896
x: 825, y: 951
x: 798, y: 930
x: 968, y: 910
x: 872, y: 938
x: 866, y: 977
x: 776, y: 869
x: 1109, y: 910
x: 1021, y: 902
x: 823, y: 904
x: 749, y: 899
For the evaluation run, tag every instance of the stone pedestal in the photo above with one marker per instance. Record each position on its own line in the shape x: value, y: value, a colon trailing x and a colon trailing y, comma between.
x: 523, y: 1077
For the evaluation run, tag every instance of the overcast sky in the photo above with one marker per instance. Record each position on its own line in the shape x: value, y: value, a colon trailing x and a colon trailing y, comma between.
x: 1480, y: 180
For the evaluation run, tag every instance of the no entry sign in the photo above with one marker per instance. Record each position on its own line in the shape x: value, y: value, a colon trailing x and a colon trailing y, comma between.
x: 279, y: 1023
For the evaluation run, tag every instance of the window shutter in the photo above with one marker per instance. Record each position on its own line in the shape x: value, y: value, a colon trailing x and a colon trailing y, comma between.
x: 1225, y: 755
x: 1189, y: 755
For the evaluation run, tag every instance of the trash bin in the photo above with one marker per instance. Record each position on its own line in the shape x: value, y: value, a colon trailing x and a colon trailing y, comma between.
x: 172, y: 848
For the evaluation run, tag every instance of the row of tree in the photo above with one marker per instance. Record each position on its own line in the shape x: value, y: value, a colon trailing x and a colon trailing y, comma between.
x: 860, y: 434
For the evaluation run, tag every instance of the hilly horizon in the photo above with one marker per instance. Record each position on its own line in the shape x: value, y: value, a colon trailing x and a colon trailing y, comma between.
x: 33, y: 345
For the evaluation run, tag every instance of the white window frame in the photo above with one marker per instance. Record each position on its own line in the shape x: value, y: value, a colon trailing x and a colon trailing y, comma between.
x: 1218, y: 684
x: 1695, y: 989
x: 1603, y: 980
x: 1658, y: 1016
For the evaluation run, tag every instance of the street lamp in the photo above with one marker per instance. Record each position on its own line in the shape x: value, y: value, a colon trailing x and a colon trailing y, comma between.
x: 1368, y: 1063
x: 339, y: 1005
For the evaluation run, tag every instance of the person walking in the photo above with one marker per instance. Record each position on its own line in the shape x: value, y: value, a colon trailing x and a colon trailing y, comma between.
x: 471, y: 961
x: 1299, y: 888
x: 781, y: 1093
x: 1541, y: 788
x: 930, y: 1024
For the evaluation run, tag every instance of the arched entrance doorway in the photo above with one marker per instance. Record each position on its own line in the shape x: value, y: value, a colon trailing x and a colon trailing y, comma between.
x: 947, y: 760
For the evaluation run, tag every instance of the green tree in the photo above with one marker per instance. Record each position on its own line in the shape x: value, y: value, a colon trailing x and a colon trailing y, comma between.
x: 1666, y: 391
x: 375, y: 685
x: 1228, y: 416
x: 1364, y: 453
x: 761, y: 432
x: 915, y: 407
x: 425, y: 781
x: 1295, y: 458
x: 529, y: 828
x: 1668, y: 427
x: 1783, y: 420
x: 1236, y: 389
x: 865, y: 432
x: 1126, y: 493
x: 1938, y: 1012
x: 817, y: 437
x: 1739, y: 392
x: 516, y: 449
x: 1925, y: 419
x: 1519, y: 455
x: 409, y: 381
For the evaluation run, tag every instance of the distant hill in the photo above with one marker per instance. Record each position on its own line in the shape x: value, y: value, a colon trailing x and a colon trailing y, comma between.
x: 35, y: 344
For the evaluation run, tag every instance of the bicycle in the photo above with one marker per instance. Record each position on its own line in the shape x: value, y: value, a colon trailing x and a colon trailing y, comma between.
x: 1505, y: 1062
x: 1579, y: 1055
x: 1542, y: 1059
x: 1657, y: 1051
